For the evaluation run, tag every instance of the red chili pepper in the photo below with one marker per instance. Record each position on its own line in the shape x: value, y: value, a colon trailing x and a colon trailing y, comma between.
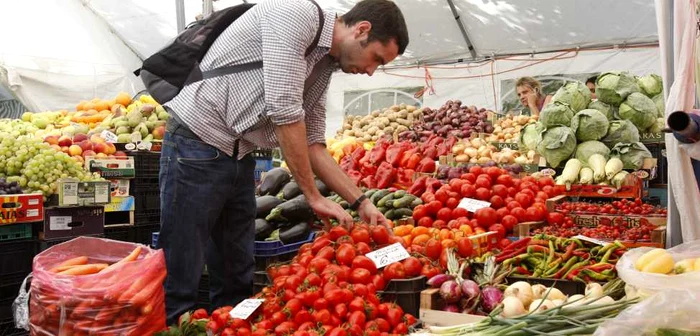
x: 517, y: 244
x: 569, y: 251
x: 540, y: 242
x: 599, y: 267
x: 510, y: 254
x: 522, y: 270
x: 385, y: 175
x: 537, y: 248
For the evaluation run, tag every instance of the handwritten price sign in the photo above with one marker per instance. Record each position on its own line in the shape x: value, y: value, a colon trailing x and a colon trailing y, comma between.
x: 388, y: 255
x: 472, y: 205
x: 246, y: 308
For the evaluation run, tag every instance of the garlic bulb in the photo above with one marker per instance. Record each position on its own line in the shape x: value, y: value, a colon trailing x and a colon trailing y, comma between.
x: 522, y: 291
x: 558, y: 303
x: 593, y: 291
x: 540, y: 305
x: 512, y: 307
x: 538, y: 291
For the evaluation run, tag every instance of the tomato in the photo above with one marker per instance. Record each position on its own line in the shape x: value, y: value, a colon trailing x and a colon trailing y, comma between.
x: 427, y: 197
x: 433, y: 248
x: 317, y: 265
x: 468, y: 190
x: 345, y: 239
x: 443, y: 259
x: 345, y: 254
x: 459, y: 213
x: 400, y: 329
x: 465, y: 247
x: 357, y: 318
x: 497, y: 202
x: 476, y: 170
x: 200, y: 314
x: 318, y: 244
x: 523, y: 199
x: 444, y: 214
x: 278, y: 317
x: 337, y: 232
x: 410, y: 319
x: 340, y: 310
x: 505, y: 179
x: 412, y: 266
x: 334, y: 296
x: 509, y: 222
x: 482, y: 183
x: 360, y: 276
x: 555, y: 218
x: 378, y: 281
x: 532, y: 214
x: 512, y: 191
x: 364, y: 262
x: 483, y: 194
x: 545, y: 181
x: 394, y: 271
x: 500, y: 190
x: 502, y: 212
x: 320, y: 304
x: 485, y: 217
x: 440, y: 224
x: 433, y: 207
x: 302, y: 332
x: 419, y: 212
x: 429, y: 271
x: 494, y: 172
x: 394, y: 315
x: 326, y: 253
x: 360, y: 235
x: 519, y: 213
x: 500, y: 229
x: 441, y: 196
x: 512, y: 205
x: 362, y: 248
x: 452, y: 202
x: 425, y: 222
x: 213, y: 326
x: 528, y: 192
x: 293, y: 282
x: 380, y: 235
x: 284, y: 328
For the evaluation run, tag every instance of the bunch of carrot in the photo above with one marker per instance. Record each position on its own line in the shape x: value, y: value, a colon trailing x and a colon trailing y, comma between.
x: 82, y: 298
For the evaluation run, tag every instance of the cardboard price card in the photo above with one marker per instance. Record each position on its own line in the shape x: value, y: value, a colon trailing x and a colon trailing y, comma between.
x: 387, y: 255
x: 592, y: 240
x: 109, y: 136
x: 246, y: 308
x: 472, y: 204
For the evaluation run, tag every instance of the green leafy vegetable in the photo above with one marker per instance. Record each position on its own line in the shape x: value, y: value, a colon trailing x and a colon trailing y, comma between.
x: 632, y: 155
x: 651, y: 85
x: 614, y: 86
x: 557, y: 145
x: 584, y: 150
x: 640, y: 110
x: 606, y: 109
x: 556, y: 114
x: 530, y: 135
x: 621, y: 131
x: 589, y: 124
x: 575, y: 94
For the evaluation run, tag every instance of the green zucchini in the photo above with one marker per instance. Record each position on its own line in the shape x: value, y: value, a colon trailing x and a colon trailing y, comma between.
x: 403, y: 202
x: 274, y: 180
x: 344, y: 204
x: 382, y: 209
x: 294, y: 211
x: 402, y: 213
x: 389, y: 214
x: 386, y: 201
x: 378, y: 195
x: 370, y: 192
x: 416, y: 202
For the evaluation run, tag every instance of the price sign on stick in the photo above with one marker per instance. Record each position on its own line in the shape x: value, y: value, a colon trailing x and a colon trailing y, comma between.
x: 472, y: 204
x: 246, y: 308
x: 109, y: 136
x: 387, y: 255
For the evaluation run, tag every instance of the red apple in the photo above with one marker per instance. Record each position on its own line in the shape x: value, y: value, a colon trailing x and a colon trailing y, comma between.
x: 51, y: 139
x: 80, y: 137
x: 158, y: 132
x: 101, y: 156
x: 100, y: 147
x: 88, y: 153
x: 110, y: 148
x: 85, y: 145
x: 65, y: 141
x: 119, y: 154
x: 96, y: 138
x: 75, y: 150
x: 64, y: 149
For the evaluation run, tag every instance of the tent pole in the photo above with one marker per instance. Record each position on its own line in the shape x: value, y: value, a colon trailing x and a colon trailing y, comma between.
x: 180, y: 15
x: 207, y: 8
x: 462, y: 29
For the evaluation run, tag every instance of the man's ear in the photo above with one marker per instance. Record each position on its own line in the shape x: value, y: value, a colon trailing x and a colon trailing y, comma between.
x: 362, y: 29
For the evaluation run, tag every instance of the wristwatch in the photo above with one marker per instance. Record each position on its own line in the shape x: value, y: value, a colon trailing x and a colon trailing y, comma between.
x: 357, y: 202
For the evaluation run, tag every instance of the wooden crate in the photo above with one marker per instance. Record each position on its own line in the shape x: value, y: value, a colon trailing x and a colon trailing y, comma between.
x: 431, y: 315
x: 593, y: 220
x: 524, y: 229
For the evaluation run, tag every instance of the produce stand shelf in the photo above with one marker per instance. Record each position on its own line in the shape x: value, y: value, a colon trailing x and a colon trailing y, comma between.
x: 431, y: 314
x: 16, y: 260
x: 119, y: 218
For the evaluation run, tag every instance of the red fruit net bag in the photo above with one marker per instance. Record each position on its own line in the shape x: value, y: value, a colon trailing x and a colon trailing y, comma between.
x: 94, y: 286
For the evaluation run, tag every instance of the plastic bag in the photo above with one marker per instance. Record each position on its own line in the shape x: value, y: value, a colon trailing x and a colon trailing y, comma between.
x: 677, y: 309
x: 20, y: 307
x: 646, y: 284
x: 124, y: 300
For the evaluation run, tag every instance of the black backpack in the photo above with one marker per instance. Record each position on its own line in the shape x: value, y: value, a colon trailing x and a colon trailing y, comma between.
x: 169, y: 70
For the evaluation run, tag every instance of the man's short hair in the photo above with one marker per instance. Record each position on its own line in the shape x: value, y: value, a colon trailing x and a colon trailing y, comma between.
x: 386, y: 19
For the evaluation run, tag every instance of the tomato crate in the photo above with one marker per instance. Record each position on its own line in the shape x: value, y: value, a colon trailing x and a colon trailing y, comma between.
x: 405, y: 292
x: 260, y: 281
x: 15, y: 231
x: 264, y: 248
x: 146, y: 163
x: 262, y: 262
x: 16, y: 259
x: 484, y: 242
x: 22, y: 208
x: 7, y: 328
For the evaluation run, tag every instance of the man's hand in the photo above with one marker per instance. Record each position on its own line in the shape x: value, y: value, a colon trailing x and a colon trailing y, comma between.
x: 326, y: 209
x: 371, y: 215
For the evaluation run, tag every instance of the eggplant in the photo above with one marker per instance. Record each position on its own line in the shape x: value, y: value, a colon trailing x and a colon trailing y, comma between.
x: 295, y: 210
x: 295, y: 233
x: 265, y: 204
x: 274, y: 180
x: 289, y: 191
x: 322, y: 188
x: 263, y: 229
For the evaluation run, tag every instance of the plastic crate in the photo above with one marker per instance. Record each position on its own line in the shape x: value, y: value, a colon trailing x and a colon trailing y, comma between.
x: 144, y: 183
x: 262, y: 262
x: 15, y: 231
x: 145, y: 200
x: 146, y: 163
x: 264, y: 248
x: 7, y: 328
x: 144, y: 233
x: 154, y: 239
x: 406, y: 293
x: 8, y: 293
x: 121, y: 233
x: 147, y: 217
x: 16, y: 260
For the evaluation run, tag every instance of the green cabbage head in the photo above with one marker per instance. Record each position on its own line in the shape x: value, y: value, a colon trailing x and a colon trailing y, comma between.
x: 651, y: 85
x: 556, y: 114
x: 575, y: 94
x: 658, y: 126
x: 557, y: 145
x: 660, y: 104
x: 632, y: 155
x: 606, y: 109
x: 640, y: 110
x: 530, y: 135
x: 585, y: 149
x: 621, y: 131
x: 589, y: 124
x: 613, y: 87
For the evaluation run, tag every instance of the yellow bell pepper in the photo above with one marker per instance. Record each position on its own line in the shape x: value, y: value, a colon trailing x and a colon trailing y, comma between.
x: 655, y: 261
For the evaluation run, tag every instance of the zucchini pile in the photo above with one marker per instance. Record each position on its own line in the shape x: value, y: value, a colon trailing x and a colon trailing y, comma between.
x: 394, y: 204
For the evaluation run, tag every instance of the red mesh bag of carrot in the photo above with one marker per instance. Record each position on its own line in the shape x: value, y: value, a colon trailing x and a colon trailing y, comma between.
x: 94, y: 286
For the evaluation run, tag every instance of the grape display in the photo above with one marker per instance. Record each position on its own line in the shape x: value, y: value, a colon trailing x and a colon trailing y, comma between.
x: 9, y: 188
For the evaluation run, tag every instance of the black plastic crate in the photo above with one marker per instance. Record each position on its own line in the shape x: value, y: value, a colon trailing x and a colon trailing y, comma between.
x: 16, y: 259
x: 8, y: 293
x: 146, y: 163
x: 121, y: 233
x: 146, y: 199
x: 143, y: 183
x: 144, y: 233
x: 7, y: 328
x: 260, y: 281
x: 406, y: 293
x: 147, y: 217
x: 262, y: 262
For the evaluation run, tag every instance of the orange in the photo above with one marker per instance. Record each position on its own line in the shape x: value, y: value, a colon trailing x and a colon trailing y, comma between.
x: 420, y: 239
x: 101, y: 105
x: 81, y: 105
x: 88, y: 106
x: 407, y: 240
x: 123, y: 98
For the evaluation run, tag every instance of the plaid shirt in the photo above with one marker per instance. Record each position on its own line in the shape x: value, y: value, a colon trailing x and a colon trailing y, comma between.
x: 248, y: 104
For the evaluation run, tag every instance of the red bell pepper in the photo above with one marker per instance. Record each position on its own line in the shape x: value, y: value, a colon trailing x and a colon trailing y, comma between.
x: 418, y: 187
x: 432, y: 185
x: 348, y: 164
x: 431, y: 153
x: 385, y: 175
x: 407, y: 156
x: 404, y: 177
x: 394, y: 153
x: 427, y: 165
x: 368, y: 182
x: 358, y: 154
x: 368, y: 169
x: 377, y: 154
x: 413, y: 161
x: 355, y: 176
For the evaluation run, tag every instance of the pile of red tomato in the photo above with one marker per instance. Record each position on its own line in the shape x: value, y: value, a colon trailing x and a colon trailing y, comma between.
x: 513, y: 200
x: 624, y: 206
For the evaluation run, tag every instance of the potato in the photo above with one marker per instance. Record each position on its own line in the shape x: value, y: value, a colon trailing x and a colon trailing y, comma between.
x: 376, y: 113
x: 403, y: 122
x: 389, y: 129
x: 410, y: 108
x: 367, y: 137
x: 401, y: 128
x: 402, y: 106
x: 403, y: 114
x: 395, y: 108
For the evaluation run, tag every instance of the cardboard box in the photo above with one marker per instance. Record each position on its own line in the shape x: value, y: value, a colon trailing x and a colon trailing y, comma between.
x: 119, y: 187
x: 21, y: 208
x: 120, y: 203
x: 73, y: 192
x: 73, y: 222
x: 432, y: 315
x: 524, y: 229
x: 111, y: 168
x: 630, y: 221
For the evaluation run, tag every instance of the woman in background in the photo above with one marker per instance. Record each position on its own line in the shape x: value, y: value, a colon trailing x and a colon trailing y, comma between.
x: 530, y: 94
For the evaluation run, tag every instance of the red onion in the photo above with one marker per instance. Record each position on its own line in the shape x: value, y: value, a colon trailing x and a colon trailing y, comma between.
x: 450, y: 291
x: 492, y: 296
x: 451, y: 308
x: 470, y: 289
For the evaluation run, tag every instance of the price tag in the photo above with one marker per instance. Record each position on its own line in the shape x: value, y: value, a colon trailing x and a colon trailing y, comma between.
x: 130, y: 146
x: 387, y: 255
x: 548, y: 172
x: 592, y: 240
x: 472, y: 205
x: 144, y: 145
x: 109, y: 136
x: 246, y: 308
x: 57, y: 223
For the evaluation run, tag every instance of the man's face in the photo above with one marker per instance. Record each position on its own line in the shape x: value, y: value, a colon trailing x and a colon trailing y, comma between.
x: 357, y: 56
x: 591, y: 87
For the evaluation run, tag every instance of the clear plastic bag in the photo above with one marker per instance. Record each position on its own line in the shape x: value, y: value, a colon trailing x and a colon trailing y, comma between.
x: 124, y: 300
x: 676, y: 309
x: 646, y: 284
x: 20, y: 307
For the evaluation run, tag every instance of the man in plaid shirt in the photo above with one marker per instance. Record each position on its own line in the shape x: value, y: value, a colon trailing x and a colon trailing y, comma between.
x: 206, y: 177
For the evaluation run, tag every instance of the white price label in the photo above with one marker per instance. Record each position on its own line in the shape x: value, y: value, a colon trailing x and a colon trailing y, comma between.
x: 387, y: 255
x: 246, y: 308
x: 130, y: 146
x: 592, y: 240
x: 109, y: 136
x: 60, y: 223
x: 472, y: 204
x: 144, y: 145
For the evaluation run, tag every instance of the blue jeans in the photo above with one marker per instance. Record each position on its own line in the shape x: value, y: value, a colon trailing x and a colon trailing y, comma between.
x: 207, y: 213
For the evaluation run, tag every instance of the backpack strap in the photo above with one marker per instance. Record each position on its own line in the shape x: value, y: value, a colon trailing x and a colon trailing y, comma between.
x: 197, y: 75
